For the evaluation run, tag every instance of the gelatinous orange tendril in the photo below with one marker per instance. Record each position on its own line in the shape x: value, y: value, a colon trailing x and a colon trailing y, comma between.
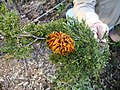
x: 61, y: 43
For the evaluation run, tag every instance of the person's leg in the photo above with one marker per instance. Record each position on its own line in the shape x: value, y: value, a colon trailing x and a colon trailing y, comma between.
x: 70, y: 13
x: 115, y: 33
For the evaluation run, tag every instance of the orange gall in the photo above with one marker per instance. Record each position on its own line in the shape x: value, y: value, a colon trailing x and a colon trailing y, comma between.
x: 61, y: 43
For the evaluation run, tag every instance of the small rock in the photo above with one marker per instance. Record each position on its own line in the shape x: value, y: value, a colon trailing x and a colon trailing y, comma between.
x: 23, y: 16
x: 26, y: 83
x: 48, y: 88
x: 1, y: 79
x: 41, y: 12
x: 1, y: 37
x: 41, y: 64
x: 32, y: 3
x: 21, y: 77
x: 20, y: 83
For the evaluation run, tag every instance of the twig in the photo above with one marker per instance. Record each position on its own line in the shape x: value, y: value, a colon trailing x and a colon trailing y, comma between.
x: 41, y: 38
x: 25, y: 34
x: 36, y: 38
x: 35, y: 20
x: 32, y: 42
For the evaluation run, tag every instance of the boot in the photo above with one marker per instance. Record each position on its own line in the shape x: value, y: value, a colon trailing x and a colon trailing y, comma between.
x: 115, y: 34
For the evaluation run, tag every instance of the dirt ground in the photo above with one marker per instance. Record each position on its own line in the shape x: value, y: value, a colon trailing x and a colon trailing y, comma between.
x: 37, y: 73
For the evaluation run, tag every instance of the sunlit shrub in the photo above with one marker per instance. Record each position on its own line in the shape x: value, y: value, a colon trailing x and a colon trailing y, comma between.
x: 76, y: 69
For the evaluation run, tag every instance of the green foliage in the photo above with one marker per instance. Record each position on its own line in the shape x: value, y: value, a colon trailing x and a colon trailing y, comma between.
x: 18, y: 42
x: 2, y: 8
x: 61, y: 8
x: 10, y: 29
x: 74, y: 71
x: 87, y: 61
